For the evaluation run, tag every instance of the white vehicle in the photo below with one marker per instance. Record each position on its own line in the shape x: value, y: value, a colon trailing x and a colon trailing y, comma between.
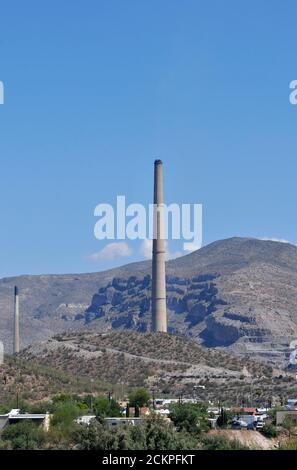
x: 259, y: 425
x: 262, y: 411
x: 239, y: 423
x: 291, y: 404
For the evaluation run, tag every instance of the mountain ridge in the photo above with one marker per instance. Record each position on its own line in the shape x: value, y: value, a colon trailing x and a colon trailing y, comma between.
x: 238, y: 294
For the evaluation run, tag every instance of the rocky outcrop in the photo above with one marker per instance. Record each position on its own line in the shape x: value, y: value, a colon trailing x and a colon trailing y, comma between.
x: 126, y: 303
x: 238, y: 294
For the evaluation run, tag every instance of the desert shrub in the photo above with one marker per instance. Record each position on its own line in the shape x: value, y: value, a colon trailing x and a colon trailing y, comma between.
x: 272, y: 413
x: 269, y: 430
x: 289, y: 424
x: 291, y: 444
x: 209, y: 442
x: 153, y: 434
x: 24, y: 435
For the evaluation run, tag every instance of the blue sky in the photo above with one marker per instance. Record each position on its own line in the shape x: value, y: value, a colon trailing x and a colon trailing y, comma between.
x: 95, y: 90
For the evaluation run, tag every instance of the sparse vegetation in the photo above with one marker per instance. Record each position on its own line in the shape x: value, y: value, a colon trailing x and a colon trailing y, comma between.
x: 289, y: 424
x: 170, y: 364
x: 24, y: 380
x: 220, y: 443
x: 25, y: 435
x: 153, y: 434
x: 269, y: 430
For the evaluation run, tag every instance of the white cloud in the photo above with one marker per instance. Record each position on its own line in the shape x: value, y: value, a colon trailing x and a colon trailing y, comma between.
x: 146, y: 248
x: 280, y: 240
x: 111, y: 252
x: 191, y: 247
x: 173, y: 255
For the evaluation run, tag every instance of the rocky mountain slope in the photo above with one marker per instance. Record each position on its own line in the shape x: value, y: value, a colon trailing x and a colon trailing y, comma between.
x: 165, y: 363
x: 239, y: 294
x: 21, y: 380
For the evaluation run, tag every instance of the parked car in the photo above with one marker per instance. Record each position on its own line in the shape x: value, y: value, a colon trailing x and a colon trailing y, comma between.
x: 239, y: 424
x: 259, y: 425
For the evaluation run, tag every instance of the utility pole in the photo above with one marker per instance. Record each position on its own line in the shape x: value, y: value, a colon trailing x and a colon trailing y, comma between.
x: 154, y: 402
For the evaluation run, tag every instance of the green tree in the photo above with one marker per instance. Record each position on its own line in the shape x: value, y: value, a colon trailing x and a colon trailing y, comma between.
x: 153, y: 434
x: 88, y: 400
x: 65, y: 398
x: 61, y: 398
x: 41, y: 407
x: 65, y: 414
x: 189, y: 417
x: 139, y: 398
x: 106, y: 408
x: 24, y: 435
x: 4, y: 409
x: 272, y: 413
x: 223, y: 418
x: 160, y: 435
x: 97, y: 436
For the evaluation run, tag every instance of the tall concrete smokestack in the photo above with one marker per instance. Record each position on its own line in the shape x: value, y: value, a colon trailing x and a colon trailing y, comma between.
x: 16, y: 341
x: 158, y: 269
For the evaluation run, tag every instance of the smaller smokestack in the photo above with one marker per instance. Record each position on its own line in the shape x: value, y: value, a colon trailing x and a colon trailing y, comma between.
x: 16, y: 342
